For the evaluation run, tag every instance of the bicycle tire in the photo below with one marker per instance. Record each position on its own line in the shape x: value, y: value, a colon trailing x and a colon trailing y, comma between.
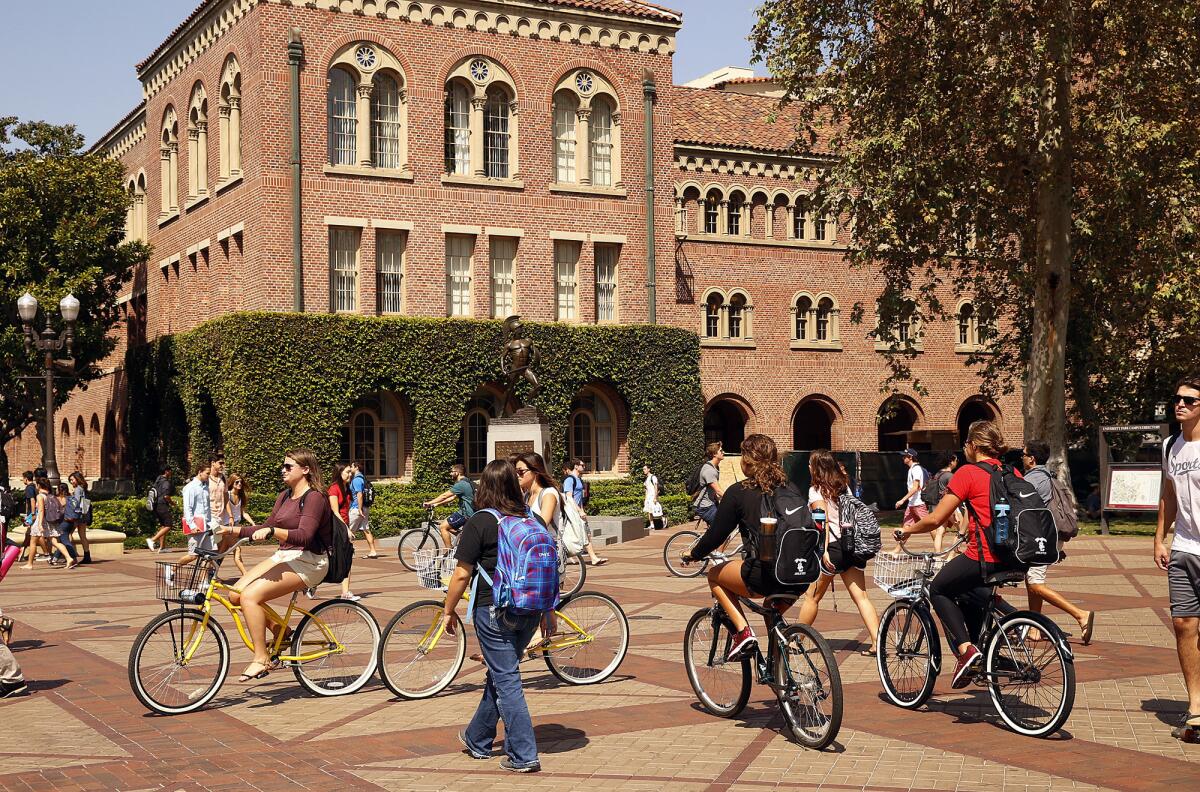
x: 733, y: 679
x: 344, y: 672
x: 416, y: 539
x: 573, y: 574
x: 400, y: 661
x: 604, y: 620
x: 810, y: 724
x: 1048, y: 656
x: 912, y: 647
x: 197, y: 697
x: 676, y: 544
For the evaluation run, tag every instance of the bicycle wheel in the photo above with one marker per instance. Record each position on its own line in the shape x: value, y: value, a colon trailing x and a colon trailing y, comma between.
x: 722, y: 687
x: 172, y: 669
x: 573, y: 576
x: 1032, y: 682
x: 905, y: 655
x: 332, y: 623
x: 812, y: 702
x: 674, y: 547
x: 599, y: 619
x: 407, y: 664
x: 416, y: 539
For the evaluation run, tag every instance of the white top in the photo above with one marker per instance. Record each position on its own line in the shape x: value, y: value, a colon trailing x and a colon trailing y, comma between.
x: 916, y: 475
x: 556, y: 522
x: 235, y: 512
x: 1182, y: 465
x: 651, y: 492
x: 833, y: 520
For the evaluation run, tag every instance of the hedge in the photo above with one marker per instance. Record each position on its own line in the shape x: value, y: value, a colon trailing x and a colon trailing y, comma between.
x: 260, y: 383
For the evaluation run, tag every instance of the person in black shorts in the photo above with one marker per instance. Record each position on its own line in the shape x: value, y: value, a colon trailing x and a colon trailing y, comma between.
x: 740, y: 509
x: 164, y: 490
x: 829, y: 481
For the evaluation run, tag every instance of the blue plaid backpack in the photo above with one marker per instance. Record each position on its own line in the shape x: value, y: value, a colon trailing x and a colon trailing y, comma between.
x: 526, y: 575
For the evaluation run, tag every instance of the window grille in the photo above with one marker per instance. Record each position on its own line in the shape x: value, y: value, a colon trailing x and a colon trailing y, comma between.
x: 564, y: 139
x: 458, y: 274
x: 458, y: 130
x: 385, y: 122
x: 606, y: 282
x: 601, y: 133
x: 389, y: 247
x: 343, y: 118
x: 343, y: 266
x: 496, y: 135
x: 504, y: 252
x: 566, y: 264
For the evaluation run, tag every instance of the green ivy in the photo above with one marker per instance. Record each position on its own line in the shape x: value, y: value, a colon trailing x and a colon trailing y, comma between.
x: 261, y: 383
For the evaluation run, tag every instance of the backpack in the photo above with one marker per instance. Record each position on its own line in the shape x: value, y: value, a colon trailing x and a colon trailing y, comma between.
x: 1022, y: 532
x: 151, y: 498
x: 368, y: 494
x: 658, y: 486
x: 525, y: 580
x: 341, y: 549
x: 860, y: 527
x: 934, y: 489
x: 574, y: 529
x: 1061, y: 507
x: 798, y: 543
x: 9, y: 508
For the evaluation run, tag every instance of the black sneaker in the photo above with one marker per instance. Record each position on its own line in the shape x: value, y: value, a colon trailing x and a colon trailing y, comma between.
x: 742, y: 643
x: 966, y: 664
x: 8, y: 689
x: 507, y: 764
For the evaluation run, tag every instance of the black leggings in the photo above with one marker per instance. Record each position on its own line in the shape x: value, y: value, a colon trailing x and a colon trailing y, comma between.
x: 961, y: 598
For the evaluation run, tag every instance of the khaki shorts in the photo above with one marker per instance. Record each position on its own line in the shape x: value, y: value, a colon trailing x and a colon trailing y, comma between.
x: 1036, y: 575
x: 308, y: 565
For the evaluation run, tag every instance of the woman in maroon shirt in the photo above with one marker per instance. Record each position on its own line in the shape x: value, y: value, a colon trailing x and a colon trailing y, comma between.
x: 298, y: 522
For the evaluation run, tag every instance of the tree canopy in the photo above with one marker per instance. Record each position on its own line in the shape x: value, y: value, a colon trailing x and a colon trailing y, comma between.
x: 62, y: 230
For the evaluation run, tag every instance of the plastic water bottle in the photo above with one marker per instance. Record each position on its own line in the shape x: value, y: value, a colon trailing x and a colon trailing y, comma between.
x: 818, y: 516
x: 1001, y: 523
x: 191, y: 596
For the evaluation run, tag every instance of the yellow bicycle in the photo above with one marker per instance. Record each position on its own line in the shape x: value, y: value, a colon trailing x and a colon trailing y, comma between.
x: 417, y: 659
x: 173, y: 670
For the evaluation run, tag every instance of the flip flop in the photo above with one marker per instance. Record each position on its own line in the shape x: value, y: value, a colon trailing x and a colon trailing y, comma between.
x: 600, y: 562
x: 1088, y: 627
x: 368, y: 555
x: 867, y: 652
x: 246, y: 679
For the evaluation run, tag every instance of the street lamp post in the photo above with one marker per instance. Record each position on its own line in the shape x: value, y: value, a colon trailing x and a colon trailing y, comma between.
x: 48, y: 342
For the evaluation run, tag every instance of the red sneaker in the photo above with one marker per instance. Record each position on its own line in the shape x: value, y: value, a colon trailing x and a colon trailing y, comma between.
x: 966, y: 662
x: 742, y: 642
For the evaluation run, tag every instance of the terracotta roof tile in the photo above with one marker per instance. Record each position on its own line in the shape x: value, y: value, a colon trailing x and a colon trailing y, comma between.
x: 746, y: 80
x: 722, y: 118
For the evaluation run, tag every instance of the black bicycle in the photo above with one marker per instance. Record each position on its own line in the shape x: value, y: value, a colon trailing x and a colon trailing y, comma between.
x: 425, y: 537
x: 798, y: 665
x: 1028, y: 666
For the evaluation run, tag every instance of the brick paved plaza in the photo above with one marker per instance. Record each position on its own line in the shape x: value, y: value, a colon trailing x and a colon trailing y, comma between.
x: 82, y: 728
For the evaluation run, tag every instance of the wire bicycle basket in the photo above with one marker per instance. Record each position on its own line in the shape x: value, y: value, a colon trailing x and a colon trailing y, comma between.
x: 434, y: 568
x: 174, y: 582
x: 902, y: 576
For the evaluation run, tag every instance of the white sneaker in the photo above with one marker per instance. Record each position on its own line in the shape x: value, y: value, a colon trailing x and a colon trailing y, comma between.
x: 150, y: 544
x: 169, y: 576
x: 350, y: 595
x: 310, y: 593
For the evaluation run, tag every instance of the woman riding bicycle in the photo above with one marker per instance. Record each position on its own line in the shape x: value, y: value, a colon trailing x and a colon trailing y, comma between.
x: 962, y: 581
x: 298, y: 522
x: 740, y: 508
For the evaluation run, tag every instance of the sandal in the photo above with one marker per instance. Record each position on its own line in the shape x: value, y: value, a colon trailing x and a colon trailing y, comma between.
x: 1088, y: 627
x: 247, y: 678
x: 600, y: 562
x: 369, y: 555
x: 6, y: 628
x: 868, y: 652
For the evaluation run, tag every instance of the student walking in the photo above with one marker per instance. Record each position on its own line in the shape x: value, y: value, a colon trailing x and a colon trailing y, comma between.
x: 339, y: 503
x: 197, y: 513
x: 573, y: 488
x: 463, y: 491
x: 936, y: 487
x: 829, y: 482
x: 912, y: 503
x: 83, y: 511
x: 239, y: 504
x: 218, y: 496
x: 650, y: 505
x: 360, y: 518
x: 66, y: 503
x: 48, y: 516
x: 710, y: 494
x: 12, y: 681
x: 1179, y: 507
x: 28, y: 544
x: 1034, y: 456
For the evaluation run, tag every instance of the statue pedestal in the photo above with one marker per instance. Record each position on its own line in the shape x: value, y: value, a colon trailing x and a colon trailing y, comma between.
x: 524, y: 431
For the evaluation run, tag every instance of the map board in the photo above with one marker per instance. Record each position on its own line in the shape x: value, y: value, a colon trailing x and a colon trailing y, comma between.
x: 1133, y: 487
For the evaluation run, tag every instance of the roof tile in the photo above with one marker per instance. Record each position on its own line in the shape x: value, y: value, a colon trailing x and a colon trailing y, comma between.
x: 723, y: 118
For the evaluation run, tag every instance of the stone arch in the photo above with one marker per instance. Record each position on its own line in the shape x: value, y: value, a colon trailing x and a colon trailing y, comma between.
x: 974, y: 408
x: 728, y: 418
x: 815, y: 423
x: 896, y: 417
x: 378, y: 433
x: 94, y: 442
x: 598, y: 428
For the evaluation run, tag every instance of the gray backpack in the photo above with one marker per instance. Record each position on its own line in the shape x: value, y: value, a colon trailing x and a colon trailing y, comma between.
x: 860, y: 526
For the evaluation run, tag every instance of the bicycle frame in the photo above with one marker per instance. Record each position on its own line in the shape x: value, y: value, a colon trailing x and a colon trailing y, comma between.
x: 764, y: 665
x: 429, y: 640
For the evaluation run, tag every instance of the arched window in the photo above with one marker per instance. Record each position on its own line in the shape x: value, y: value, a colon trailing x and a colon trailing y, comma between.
x: 824, y: 315
x: 169, y: 162
x: 593, y: 431
x: 198, y: 144
x: 140, y: 217
x: 472, y: 446
x: 733, y: 221
x: 601, y: 141
x: 94, y: 442
x: 231, y: 120
x: 737, y: 315
x: 587, y: 132
x: 64, y: 440
x: 385, y: 121
x: 343, y: 118
x: 712, y: 212
x: 458, y: 129
x: 496, y: 134
x: 375, y: 436
x: 799, y: 220
x: 969, y: 335
x: 714, y: 306
x: 566, y: 106
x: 804, y: 306
x: 906, y: 326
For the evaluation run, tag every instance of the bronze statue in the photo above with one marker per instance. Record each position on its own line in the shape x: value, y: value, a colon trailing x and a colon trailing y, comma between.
x: 517, y: 361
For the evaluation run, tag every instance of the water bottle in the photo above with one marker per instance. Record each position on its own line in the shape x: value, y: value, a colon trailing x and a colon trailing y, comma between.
x: 1000, y: 523
x: 818, y: 516
x: 191, y: 596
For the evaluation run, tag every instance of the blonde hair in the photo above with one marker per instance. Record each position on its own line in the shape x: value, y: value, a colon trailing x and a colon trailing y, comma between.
x: 760, y: 463
x: 305, y: 458
x: 986, y: 437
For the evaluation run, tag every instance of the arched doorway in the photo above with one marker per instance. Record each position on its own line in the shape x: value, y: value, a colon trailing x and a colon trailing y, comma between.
x: 812, y: 426
x: 973, y: 410
x: 896, y: 419
x: 725, y: 423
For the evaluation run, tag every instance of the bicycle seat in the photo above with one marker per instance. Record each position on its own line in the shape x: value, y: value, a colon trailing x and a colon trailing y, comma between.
x: 1008, y: 577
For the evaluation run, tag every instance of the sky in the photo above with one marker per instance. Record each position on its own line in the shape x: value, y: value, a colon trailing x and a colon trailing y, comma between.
x: 87, y: 78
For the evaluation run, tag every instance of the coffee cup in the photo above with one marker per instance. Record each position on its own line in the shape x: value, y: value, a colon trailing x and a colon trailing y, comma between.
x: 768, y: 525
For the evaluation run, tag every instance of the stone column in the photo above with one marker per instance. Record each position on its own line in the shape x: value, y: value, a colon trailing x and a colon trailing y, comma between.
x: 723, y: 217
x: 404, y: 164
x: 363, y: 126
x: 583, y: 149
x: 235, y: 136
x: 791, y: 222
x: 476, y: 141
x: 164, y: 179
x: 193, y: 156
x: 514, y: 147
x: 139, y: 217
x: 201, y: 158
x: 173, y: 174
x: 223, y: 120
x: 680, y: 217
x: 770, y: 220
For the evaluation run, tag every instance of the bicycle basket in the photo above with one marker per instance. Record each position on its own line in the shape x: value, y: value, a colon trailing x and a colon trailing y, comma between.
x: 172, y: 579
x: 434, y: 568
x: 901, y: 575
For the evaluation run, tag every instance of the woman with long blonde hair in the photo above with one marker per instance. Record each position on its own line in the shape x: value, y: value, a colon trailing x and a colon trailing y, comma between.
x: 829, y: 482
x: 740, y: 509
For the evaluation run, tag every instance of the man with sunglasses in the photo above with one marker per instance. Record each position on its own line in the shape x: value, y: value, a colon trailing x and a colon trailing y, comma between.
x: 1179, y: 504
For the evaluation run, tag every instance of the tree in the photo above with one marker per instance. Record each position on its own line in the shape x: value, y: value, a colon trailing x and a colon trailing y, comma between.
x: 997, y: 150
x: 62, y: 229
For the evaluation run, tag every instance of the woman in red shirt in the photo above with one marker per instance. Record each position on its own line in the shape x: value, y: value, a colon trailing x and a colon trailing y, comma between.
x: 339, y: 502
x: 961, y: 580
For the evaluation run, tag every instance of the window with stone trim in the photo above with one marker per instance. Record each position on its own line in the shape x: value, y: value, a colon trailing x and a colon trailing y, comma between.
x: 368, y: 110
x: 496, y: 134
x: 385, y: 121
x: 344, y: 246
x: 566, y: 106
x: 712, y: 212
x: 566, y: 284
x: 503, y: 265
x: 799, y: 220
x: 972, y: 330
x: 481, y: 121
x: 343, y: 118
x: 458, y: 129
x: 601, y: 142
x: 459, y: 249
x: 230, y: 121
x: 374, y: 436
x: 593, y: 431
x: 169, y: 162
x: 606, y: 258
x: 733, y: 213
x: 198, y: 143
x: 587, y: 130
x: 803, y: 309
x: 714, y: 312
x: 390, y: 248
x: 737, y: 316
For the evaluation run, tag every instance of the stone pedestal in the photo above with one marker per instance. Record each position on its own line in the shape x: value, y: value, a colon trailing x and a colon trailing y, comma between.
x: 524, y: 431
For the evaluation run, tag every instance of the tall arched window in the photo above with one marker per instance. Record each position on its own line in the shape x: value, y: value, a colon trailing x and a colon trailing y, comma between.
x: 587, y: 131
x: 385, y: 121
x: 713, y: 308
x: 566, y: 106
x: 804, y: 307
x: 140, y: 216
x: 496, y: 134
x: 733, y: 221
x: 824, y: 316
x: 601, y: 140
x: 969, y: 336
x: 480, y: 95
x: 737, y: 315
x: 712, y: 212
x: 343, y: 118
x: 198, y: 143
x: 94, y: 442
x: 375, y: 436
x: 472, y: 446
x: 458, y: 129
x: 231, y: 120
x: 169, y: 162
x: 593, y: 432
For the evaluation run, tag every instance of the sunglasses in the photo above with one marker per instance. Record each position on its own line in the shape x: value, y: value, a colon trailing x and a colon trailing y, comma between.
x: 522, y: 471
x: 286, y: 467
x: 1189, y: 401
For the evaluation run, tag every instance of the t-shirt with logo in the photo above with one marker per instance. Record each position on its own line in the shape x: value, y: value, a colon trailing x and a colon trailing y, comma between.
x: 1182, y: 465
x: 916, y: 475
x: 972, y: 484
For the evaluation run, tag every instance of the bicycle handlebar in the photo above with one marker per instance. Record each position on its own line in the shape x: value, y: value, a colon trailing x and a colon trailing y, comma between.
x: 961, y: 539
x: 213, y: 554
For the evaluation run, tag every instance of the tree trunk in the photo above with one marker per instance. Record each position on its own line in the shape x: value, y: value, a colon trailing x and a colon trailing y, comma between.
x: 1045, y: 391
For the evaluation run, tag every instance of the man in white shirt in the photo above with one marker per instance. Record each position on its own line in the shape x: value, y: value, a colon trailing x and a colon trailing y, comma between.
x: 1179, y: 503
x: 914, y: 507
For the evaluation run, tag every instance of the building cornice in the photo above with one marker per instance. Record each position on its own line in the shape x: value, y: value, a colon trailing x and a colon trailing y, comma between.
x: 127, y: 133
x: 529, y: 20
x: 746, y: 162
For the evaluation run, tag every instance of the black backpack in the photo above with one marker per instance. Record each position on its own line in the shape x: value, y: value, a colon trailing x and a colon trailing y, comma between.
x: 798, y: 543
x: 1026, y: 535
x: 934, y: 489
x: 9, y: 507
x: 368, y: 496
x: 860, y: 527
x: 693, y: 486
x: 341, y: 549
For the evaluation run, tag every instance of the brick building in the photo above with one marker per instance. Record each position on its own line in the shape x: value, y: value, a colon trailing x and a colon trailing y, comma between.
x: 487, y: 157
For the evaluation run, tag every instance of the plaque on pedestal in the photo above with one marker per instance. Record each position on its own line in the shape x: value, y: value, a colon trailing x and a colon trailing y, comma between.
x: 524, y: 431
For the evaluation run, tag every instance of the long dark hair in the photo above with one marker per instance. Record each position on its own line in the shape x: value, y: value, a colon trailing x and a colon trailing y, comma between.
x: 335, y: 480
x: 828, y: 478
x: 80, y: 481
x: 500, y: 489
x: 535, y: 463
x: 760, y: 463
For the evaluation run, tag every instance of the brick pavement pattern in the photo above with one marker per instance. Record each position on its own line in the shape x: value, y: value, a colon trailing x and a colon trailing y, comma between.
x: 642, y: 731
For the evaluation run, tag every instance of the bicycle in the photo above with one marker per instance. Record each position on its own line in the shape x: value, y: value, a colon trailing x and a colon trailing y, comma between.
x: 683, y: 540
x: 799, y: 666
x: 425, y: 537
x: 333, y: 650
x: 417, y: 659
x: 909, y: 655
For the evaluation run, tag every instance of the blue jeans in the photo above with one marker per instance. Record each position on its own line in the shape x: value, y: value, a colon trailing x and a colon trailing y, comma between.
x: 708, y: 514
x: 503, y: 639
